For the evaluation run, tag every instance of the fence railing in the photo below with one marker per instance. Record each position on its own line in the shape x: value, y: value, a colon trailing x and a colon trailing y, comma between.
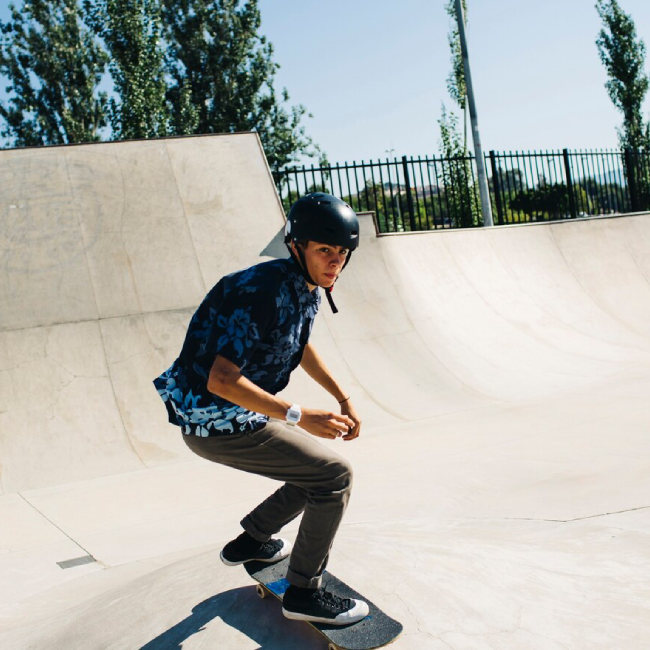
x: 434, y: 192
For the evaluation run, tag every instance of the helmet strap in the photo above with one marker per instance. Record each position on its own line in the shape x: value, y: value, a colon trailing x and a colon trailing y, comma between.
x: 302, y: 264
x: 330, y: 300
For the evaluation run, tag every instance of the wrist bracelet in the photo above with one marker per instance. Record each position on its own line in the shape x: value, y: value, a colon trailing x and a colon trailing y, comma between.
x: 344, y: 400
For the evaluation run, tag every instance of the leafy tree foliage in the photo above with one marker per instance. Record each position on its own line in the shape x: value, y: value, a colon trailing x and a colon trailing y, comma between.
x: 456, y: 79
x: 223, y: 71
x: 53, y: 66
x: 178, y: 67
x: 510, y: 180
x: 462, y: 205
x: 606, y: 197
x: 456, y: 85
x: 548, y: 201
x: 623, y: 55
x: 131, y: 31
x: 463, y: 208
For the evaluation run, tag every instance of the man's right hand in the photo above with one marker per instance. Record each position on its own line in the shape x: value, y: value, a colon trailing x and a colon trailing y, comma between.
x: 227, y: 381
x: 325, y: 424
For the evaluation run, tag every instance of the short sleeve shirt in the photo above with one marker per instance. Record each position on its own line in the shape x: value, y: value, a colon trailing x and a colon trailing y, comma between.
x: 260, y: 319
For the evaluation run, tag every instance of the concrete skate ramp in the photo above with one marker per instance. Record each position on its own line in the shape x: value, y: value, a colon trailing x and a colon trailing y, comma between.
x: 502, y: 478
x: 106, y: 250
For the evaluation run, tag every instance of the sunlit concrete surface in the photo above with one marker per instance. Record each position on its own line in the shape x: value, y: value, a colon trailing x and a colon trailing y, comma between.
x: 502, y: 485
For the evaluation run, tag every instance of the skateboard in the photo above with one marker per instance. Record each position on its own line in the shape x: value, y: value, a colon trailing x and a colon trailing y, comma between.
x: 374, y: 631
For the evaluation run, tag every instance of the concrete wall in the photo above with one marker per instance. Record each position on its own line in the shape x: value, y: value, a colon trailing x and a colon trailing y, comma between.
x: 107, y: 249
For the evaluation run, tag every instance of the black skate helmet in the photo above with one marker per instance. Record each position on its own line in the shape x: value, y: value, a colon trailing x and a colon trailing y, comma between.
x: 322, y: 218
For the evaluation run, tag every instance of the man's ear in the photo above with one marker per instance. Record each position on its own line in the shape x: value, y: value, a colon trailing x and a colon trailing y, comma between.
x: 295, y: 245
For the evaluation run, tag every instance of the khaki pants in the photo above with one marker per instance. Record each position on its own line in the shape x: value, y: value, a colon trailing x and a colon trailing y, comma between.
x: 316, y: 481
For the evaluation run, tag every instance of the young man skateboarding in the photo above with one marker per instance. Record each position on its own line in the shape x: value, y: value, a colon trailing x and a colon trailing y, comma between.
x: 247, y: 336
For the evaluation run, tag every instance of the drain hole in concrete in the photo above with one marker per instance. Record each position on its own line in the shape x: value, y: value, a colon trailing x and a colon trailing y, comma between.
x: 78, y: 561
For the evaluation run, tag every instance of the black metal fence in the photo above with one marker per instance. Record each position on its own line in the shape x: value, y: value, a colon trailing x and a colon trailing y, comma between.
x: 430, y: 193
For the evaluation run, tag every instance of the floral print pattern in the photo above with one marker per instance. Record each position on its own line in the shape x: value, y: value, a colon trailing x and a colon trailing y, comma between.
x: 260, y: 319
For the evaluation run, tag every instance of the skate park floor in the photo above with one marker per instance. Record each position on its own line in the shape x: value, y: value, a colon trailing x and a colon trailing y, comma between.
x: 502, y: 484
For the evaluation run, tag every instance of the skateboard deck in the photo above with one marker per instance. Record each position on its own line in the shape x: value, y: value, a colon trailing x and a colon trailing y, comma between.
x: 374, y: 631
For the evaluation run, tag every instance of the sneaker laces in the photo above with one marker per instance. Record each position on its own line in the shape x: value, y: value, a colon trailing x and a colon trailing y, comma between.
x: 271, y: 546
x: 333, y: 603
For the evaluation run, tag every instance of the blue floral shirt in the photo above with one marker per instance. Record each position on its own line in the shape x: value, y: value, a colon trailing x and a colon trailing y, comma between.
x: 260, y: 319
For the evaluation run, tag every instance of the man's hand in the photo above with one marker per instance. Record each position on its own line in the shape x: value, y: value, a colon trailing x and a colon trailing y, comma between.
x: 325, y: 424
x: 347, y: 409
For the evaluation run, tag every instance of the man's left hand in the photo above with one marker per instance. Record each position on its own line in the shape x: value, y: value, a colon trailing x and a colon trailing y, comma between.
x: 347, y: 408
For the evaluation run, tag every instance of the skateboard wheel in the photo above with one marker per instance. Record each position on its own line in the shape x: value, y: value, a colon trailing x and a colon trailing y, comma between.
x: 261, y: 592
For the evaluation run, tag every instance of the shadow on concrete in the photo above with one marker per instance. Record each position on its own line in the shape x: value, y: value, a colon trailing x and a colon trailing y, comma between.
x: 276, y: 247
x: 241, y: 609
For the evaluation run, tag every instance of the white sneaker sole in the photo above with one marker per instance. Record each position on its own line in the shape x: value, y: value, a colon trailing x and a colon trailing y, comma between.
x: 358, y: 612
x: 285, y: 551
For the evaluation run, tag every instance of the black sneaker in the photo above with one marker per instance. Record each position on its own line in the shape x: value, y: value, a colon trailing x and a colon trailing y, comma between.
x: 242, y: 550
x: 321, y: 606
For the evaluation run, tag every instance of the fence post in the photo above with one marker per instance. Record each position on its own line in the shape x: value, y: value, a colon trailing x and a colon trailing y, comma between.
x: 496, y: 185
x: 630, y: 172
x: 569, y: 184
x: 409, y: 198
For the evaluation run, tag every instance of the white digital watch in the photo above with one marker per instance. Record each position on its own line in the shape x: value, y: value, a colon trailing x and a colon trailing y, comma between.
x: 293, y: 415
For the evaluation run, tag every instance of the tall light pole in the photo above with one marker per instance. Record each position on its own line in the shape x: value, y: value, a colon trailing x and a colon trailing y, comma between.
x: 396, y: 199
x: 486, y: 206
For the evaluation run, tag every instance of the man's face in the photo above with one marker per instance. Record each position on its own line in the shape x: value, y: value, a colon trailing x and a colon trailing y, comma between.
x: 324, y: 262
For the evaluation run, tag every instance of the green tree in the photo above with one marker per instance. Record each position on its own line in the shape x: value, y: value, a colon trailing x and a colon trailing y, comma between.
x: 608, y: 197
x: 510, y: 180
x: 288, y: 191
x: 378, y: 198
x: 623, y: 55
x: 178, y: 67
x: 456, y: 85
x: 221, y: 65
x: 463, y: 208
x: 131, y: 31
x: 53, y: 66
x: 548, y: 201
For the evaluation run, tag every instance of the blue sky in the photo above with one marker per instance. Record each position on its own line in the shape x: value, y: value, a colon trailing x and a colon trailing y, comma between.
x: 373, y: 73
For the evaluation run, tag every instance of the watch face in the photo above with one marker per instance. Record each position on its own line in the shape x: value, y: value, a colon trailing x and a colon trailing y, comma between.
x: 293, y: 415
